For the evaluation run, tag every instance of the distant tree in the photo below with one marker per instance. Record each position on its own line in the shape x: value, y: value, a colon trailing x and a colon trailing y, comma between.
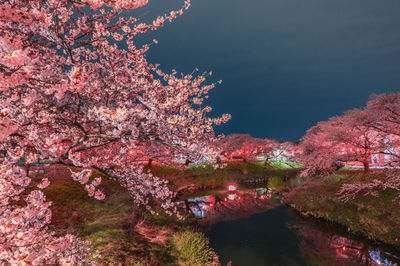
x: 318, y: 154
x: 384, y: 115
x: 76, y: 90
x: 342, y: 139
x: 286, y: 152
x: 244, y: 146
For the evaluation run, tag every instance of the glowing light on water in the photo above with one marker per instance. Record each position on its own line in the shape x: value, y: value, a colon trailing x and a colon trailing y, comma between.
x: 231, y: 188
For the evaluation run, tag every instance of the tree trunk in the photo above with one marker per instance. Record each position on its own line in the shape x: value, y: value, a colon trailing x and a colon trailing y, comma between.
x: 187, y: 162
x: 366, y: 166
x: 150, y: 163
x: 27, y: 168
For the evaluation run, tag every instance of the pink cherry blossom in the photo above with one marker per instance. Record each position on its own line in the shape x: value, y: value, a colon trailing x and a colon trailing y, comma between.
x: 64, y: 80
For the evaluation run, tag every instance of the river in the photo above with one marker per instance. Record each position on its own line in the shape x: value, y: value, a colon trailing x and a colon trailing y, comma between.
x: 252, y: 227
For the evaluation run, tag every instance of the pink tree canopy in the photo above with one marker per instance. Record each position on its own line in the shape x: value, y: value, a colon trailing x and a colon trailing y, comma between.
x: 71, y: 95
x: 245, y: 146
x: 342, y: 139
x: 356, y: 136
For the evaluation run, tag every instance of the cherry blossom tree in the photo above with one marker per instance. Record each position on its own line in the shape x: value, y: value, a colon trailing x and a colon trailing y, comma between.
x: 286, y: 152
x: 356, y: 136
x: 389, y: 181
x: 384, y: 112
x: 245, y: 146
x: 342, y: 139
x: 384, y: 118
x: 76, y: 90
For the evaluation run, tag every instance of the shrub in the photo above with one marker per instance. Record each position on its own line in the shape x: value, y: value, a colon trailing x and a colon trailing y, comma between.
x: 193, y: 247
x: 275, y: 182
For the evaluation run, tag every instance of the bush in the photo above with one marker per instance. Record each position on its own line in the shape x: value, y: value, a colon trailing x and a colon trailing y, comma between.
x: 193, y: 247
x: 275, y: 182
x: 284, y: 165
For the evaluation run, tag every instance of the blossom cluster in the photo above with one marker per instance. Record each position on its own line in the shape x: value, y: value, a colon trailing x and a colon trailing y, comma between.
x: 69, y: 94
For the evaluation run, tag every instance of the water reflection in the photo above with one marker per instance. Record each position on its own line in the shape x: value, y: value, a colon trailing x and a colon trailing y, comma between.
x: 320, y: 244
x: 201, y: 205
x: 231, y: 204
x: 251, y: 227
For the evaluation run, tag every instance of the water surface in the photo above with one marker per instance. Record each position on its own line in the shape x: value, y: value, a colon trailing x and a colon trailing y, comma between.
x: 251, y: 227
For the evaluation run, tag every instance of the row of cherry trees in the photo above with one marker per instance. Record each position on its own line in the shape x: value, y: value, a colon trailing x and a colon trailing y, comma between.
x: 357, y: 136
x: 244, y: 146
x: 248, y: 148
x: 76, y: 90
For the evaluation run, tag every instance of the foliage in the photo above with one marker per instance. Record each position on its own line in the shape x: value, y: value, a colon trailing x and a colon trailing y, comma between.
x: 373, y: 217
x: 357, y: 136
x: 275, y: 182
x: 193, y: 247
x: 390, y: 181
x: 245, y: 146
x: 330, y: 144
x: 123, y: 233
x: 77, y: 91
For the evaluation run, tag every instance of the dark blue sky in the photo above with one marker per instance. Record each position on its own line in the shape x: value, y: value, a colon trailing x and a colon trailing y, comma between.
x: 285, y: 64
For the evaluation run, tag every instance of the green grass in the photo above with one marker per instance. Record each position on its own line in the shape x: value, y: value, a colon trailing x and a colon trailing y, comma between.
x: 275, y: 182
x: 374, y: 217
x: 125, y: 234
x: 193, y: 248
x: 284, y: 165
x: 122, y: 233
x: 207, y: 176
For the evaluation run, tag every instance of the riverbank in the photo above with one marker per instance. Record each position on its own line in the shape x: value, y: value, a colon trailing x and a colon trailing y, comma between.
x: 125, y: 234
x: 205, y: 176
x: 122, y: 233
x: 376, y: 218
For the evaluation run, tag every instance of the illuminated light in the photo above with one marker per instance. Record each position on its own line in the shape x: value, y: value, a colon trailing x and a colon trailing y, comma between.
x: 351, y: 149
x: 130, y: 152
x: 45, y: 146
x: 26, y: 143
x: 231, y: 188
x: 343, y: 149
x: 231, y: 196
x: 358, y: 149
x: 61, y: 148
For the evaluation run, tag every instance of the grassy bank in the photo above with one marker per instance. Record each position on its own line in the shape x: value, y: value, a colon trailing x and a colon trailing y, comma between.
x: 239, y: 172
x: 125, y: 234
x: 122, y: 233
x: 377, y: 218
